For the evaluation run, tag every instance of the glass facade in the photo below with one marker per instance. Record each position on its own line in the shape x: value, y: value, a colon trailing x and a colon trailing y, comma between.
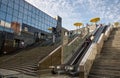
x: 25, y: 14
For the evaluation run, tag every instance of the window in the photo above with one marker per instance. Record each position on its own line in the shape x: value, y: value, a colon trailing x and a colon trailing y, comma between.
x: 2, y: 15
x: 25, y: 11
x: 21, y: 9
x: 26, y: 5
x: 14, y: 19
x: 19, y: 20
x: 5, y: 2
x: 29, y: 18
x: 29, y: 13
x: 22, y: 3
x: 25, y: 21
x: 20, y: 15
x: 15, y: 13
x: 3, y: 8
x: 9, y: 18
x: 10, y: 4
x: 16, y: 6
x: 24, y: 17
x: 33, y: 10
x: 10, y: 10
x: 16, y: 1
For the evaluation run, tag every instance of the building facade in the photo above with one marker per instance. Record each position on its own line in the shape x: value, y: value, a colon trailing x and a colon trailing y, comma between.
x: 22, y: 12
x: 18, y: 15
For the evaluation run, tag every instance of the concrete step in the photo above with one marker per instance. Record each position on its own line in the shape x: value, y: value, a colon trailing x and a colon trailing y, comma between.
x: 112, y: 45
x: 27, y: 72
x: 101, y: 76
x: 24, y: 71
x: 112, y: 48
x: 107, y: 64
x: 107, y: 67
x: 112, y: 39
x: 104, y: 72
x: 45, y: 71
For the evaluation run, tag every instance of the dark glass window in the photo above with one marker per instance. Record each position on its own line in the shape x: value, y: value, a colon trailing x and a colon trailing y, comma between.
x: 25, y: 11
x: 34, y: 9
x: 30, y: 7
x: 19, y: 20
x: 20, y: 15
x: 15, y: 13
x: 29, y: 18
x: 10, y: 10
x: 10, y: 4
x: 14, y: 19
x: 3, y: 8
x: 9, y: 18
x: 5, y: 2
x: 21, y: 9
x: 2, y: 15
x: 22, y: 3
x: 16, y: 6
x: 24, y: 17
x: 16, y: 1
x: 29, y: 13
x: 26, y: 5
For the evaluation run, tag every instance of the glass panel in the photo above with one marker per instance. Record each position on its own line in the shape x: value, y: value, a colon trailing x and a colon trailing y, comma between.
x: 15, y: 13
x: 9, y: 10
x: 26, y: 5
x: 29, y: 18
x: 2, y: 15
x: 5, y: 2
x: 16, y: 1
x: 9, y: 18
x: 30, y: 7
x: 24, y: 17
x: 22, y: 3
x: 20, y: 15
x: 29, y: 13
x: 25, y: 11
x: 19, y: 20
x: 3, y: 8
x: 21, y: 9
x: 16, y: 6
x: 10, y: 4
x: 14, y: 19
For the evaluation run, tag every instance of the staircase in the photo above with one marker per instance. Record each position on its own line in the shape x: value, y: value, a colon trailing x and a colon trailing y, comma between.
x: 107, y: 64
x: 26, y: 61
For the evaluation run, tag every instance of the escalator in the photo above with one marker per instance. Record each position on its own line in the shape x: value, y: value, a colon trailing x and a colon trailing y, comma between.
x: 72, y: 66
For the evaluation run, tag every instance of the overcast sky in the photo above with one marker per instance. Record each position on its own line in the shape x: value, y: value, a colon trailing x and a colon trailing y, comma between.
x: 73, y: 11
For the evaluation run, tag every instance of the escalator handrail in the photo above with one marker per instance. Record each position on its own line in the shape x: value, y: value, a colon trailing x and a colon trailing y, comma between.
x: 97, y: 35
x: 75, y: 54
x: 70, y: 62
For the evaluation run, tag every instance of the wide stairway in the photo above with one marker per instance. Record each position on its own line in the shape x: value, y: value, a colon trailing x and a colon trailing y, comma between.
x: 107, y: 64
x: 26, y: 61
